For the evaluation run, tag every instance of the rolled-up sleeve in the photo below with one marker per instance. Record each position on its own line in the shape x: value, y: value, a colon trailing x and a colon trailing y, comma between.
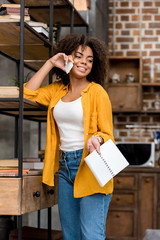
x: 43, y: 95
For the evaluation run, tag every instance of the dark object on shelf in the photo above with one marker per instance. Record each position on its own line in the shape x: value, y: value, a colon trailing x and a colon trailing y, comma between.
x: 138, y: 154
x: 30, y: 233
x: 130, y: 78
x: 56, y: 31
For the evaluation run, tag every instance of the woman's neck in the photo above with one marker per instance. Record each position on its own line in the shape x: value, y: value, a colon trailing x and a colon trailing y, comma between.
x: 78, y: 84
x: 74, y: 90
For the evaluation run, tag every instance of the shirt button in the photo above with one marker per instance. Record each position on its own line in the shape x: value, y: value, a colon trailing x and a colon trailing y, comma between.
x: 85, y: 118
x: 86, y: 133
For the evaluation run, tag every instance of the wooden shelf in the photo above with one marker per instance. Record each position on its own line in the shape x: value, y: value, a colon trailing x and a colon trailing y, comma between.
x: 130, y: 111
x: 125, y: 111
x: 128, y: 95
x: 125, y: 65
x: 124, y: 57
x: 36, y: 47
x: 151, y: 84
x: 32, y: 110
x: 150, y: 111
x: 122, y: 84
x: 39, y: 11
x: 20, y: 190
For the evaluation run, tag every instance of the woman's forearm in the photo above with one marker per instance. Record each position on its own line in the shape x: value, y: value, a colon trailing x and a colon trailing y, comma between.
x: 57, y: 60
x: 35, y: 82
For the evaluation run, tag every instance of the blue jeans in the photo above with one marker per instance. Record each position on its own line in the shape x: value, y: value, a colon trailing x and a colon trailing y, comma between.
x: 81, y: 218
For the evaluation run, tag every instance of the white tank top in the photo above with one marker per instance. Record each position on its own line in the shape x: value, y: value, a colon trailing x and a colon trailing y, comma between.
x: 69, y: 119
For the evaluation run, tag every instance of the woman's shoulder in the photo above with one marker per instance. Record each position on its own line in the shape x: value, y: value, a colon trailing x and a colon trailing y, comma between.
x: 57, y: 85
x: 98, y: 91
x: 96, y: 87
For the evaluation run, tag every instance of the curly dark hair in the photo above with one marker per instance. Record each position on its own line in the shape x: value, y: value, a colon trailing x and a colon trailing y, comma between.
x: 71, y: 43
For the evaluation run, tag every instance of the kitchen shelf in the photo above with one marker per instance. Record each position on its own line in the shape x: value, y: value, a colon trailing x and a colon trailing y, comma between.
x: 128, y: 95
x: 39, y: 11
x: 125, y: 65
x: 36, y: 47
x: 150, y: 111
x: 151, y: 84
x: 32, y: 110
x: 122, y: 84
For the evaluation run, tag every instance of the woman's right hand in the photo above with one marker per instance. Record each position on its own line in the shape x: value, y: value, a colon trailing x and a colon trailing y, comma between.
x: 60, y: 59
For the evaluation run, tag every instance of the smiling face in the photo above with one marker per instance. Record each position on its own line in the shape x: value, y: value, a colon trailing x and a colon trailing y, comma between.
x: 83, y: 62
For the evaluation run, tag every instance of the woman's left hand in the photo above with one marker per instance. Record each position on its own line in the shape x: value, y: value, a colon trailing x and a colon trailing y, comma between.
x: 93, y: 144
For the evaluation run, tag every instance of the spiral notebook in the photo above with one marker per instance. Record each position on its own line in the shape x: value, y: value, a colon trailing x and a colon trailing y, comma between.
x: 107, y: 164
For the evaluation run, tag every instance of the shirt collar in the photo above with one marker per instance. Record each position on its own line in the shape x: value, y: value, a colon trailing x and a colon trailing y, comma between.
x: 87, y: 88
x: 65, y: 87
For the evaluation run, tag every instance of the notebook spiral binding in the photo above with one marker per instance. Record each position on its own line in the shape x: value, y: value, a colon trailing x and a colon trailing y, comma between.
x: 106, y: 164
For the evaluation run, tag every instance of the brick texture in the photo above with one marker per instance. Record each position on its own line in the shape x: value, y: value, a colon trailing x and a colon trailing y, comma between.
x: 134, y: 134
x: 137, y: 33
x: 137, y: 19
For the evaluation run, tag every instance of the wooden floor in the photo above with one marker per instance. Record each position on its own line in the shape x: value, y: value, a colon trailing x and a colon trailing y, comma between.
x: 30, y: 233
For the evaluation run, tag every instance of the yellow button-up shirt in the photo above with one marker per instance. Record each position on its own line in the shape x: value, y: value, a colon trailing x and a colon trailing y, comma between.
x: 97, y: 115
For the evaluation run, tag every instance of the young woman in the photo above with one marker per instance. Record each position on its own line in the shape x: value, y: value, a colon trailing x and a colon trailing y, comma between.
x: 79, y: 120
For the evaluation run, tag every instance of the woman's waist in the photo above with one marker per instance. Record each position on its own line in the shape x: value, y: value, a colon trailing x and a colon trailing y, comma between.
x: 74, y: 153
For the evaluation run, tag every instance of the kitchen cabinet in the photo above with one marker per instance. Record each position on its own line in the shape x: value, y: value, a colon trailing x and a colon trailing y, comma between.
x: 131, y: 97
x: 19, y: 196
x: 125, y: 96
x: 135, y: 204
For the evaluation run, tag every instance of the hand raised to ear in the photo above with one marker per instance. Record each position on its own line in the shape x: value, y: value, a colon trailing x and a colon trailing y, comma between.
x: 60, y: 59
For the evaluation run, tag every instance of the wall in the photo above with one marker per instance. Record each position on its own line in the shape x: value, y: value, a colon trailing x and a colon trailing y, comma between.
x: 134, y: 30
x: 98, y: 19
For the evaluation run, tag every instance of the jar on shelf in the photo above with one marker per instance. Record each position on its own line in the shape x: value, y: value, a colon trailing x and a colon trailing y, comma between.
x: 157, y: 102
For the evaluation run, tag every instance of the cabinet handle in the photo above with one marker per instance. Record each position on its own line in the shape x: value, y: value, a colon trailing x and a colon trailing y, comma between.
x: 36, y: 194
x: 117, y: 199
x: 117, y: 216
x: 147, y: 180
x: 51, y: 191
x: 121, y: 105
x: 118, y: 181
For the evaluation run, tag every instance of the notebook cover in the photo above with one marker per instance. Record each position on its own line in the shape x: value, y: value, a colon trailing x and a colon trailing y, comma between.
x: 106, y: 165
